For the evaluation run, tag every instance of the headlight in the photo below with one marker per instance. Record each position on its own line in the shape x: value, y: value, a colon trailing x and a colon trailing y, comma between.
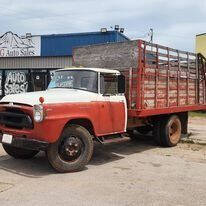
x: 38, y: 113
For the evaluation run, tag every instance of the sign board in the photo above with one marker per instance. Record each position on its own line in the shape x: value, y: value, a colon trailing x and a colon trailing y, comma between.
x: 16, y: 81
x: 11, y: 45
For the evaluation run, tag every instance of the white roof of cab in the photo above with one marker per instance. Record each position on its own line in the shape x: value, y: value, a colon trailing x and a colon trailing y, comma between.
x: 111, y: 71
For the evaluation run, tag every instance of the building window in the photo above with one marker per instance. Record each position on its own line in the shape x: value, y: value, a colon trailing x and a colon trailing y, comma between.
x: 14, y: 81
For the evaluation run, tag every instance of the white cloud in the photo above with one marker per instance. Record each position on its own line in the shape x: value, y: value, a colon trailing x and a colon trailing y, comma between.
x: 180, y: 35
x: 175, y: 23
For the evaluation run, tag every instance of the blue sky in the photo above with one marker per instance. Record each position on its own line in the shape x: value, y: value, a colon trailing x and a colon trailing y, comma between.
x: 175, y: 22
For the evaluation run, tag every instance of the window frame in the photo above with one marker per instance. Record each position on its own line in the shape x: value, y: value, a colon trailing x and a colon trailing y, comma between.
x: 97, y: 77
x: 99, y: 84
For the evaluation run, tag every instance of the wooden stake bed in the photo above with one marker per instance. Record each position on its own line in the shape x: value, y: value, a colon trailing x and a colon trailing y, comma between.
x: 159, y: 80
x: 166, y: 81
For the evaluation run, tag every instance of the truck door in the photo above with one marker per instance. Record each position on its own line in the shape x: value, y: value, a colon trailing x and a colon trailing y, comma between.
x: 118, y: 112
x: 105, y: 118
x: 116, y: 102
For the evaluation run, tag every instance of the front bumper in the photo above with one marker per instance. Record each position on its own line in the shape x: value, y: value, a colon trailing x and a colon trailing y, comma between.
x: 25, y: 143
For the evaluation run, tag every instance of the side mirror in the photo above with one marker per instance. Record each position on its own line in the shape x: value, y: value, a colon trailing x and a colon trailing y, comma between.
x: 121, y: 84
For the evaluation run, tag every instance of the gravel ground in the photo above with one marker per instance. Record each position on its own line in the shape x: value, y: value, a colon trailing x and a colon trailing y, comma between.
x: 197, y: 130
x: 121, y: 173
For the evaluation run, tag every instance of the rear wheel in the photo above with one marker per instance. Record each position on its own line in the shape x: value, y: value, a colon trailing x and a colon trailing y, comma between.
x: 171, y: 131
x: 19, y: 153
x: 72, y: 151
x: 167, y: 131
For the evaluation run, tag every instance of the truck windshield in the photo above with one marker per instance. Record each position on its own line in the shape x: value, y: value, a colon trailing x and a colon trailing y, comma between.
x: 75, y: 79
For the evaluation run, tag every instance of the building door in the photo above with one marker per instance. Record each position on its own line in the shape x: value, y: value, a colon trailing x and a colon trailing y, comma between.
x: 39, y: 80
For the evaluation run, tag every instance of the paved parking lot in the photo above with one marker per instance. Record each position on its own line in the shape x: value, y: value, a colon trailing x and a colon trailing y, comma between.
x: 122, y: 173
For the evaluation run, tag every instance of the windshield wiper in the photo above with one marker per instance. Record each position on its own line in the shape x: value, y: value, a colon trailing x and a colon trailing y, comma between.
x: 60, y: 88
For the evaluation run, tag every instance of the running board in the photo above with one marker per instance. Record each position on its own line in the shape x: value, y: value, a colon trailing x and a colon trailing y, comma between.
x: 108, y: 140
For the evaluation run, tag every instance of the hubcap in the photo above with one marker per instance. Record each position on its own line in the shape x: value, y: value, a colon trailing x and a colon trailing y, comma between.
x: 70, y: 148
x: 174, y: 132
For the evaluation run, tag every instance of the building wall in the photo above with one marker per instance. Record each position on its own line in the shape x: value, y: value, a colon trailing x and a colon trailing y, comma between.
x: 48, y: 51
x: 201, y: 44
x: 35, y: 62
x: 28, y: 63
x: 62, y: 44
x: 35, y: 72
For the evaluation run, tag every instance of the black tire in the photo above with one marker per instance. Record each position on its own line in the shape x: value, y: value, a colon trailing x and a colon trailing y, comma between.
x: 171, y: 131
x: 72, y: 151
x: 19, y: 153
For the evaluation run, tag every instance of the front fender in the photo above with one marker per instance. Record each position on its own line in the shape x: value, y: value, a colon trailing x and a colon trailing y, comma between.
x: 58, y: 115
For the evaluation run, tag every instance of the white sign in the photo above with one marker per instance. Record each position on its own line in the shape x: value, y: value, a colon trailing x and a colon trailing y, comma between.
x: 7, y: 138
x: 11, y: 45
x: 16, y: 82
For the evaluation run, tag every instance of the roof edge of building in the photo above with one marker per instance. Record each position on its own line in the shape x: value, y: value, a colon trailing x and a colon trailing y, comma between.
x: 201, y: 34
x: 82, y: 33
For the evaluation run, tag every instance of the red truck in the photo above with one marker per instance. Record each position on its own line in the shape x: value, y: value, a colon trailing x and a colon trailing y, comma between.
x: 122, y: 87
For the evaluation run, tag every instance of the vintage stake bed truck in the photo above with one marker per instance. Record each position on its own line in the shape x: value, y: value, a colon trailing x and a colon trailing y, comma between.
x: 152, y: 88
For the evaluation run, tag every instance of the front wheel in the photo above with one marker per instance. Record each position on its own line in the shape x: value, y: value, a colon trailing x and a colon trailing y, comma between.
x: 72, y: 151
x: 19, y: 153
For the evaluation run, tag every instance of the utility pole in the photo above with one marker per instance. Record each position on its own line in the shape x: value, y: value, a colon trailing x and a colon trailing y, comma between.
x: 151, y: 35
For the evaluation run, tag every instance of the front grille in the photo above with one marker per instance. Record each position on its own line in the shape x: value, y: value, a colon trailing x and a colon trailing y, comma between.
x: 15, y: 118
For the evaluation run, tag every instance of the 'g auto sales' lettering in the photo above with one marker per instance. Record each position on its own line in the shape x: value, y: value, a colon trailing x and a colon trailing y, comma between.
x: 16, y: 53
x: 11, y: 45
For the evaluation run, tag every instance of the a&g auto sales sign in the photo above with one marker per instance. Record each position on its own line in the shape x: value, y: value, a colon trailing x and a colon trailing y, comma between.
x: 11, y: 45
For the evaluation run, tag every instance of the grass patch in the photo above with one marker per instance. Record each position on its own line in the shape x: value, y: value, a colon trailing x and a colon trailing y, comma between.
x: 197, y: 114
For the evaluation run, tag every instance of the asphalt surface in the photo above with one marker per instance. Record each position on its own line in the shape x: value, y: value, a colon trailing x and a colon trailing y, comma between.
x: 121, y: 173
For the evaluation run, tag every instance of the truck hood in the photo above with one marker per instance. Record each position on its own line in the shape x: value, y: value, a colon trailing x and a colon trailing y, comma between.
x: 51, y: 96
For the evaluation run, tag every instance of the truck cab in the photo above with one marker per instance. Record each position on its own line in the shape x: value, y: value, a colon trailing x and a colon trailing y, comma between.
x: 103, y: 87
x: 79, y: 105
